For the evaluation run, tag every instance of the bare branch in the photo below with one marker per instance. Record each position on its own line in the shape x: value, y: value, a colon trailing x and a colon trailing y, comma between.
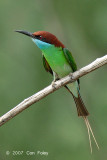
x: 51, y: 88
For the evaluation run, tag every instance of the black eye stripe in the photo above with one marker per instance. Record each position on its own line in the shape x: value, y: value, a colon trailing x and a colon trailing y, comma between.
x: 41, y: 38
x: 38, y: 37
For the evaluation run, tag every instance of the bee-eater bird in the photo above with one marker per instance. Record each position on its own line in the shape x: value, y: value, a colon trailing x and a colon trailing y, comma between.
x: 58, y: 60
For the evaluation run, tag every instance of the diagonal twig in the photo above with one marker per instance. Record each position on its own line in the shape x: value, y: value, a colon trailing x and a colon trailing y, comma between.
x: 51, y: 88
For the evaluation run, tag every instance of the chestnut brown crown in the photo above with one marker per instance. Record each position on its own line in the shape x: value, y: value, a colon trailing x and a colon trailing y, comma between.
x: 48, y: 38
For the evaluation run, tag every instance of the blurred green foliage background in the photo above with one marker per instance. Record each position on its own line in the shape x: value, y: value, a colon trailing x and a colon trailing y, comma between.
x: 52, y: 125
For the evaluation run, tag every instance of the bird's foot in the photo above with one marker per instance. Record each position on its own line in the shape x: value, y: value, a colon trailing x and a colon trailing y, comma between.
x: 53, y: 83
x: 55, y: 78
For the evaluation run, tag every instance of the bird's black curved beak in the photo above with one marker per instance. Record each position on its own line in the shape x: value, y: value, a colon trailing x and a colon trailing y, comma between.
x: 26, y: 33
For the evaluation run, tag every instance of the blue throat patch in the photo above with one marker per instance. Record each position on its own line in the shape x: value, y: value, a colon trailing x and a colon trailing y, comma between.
x: 42, y: 45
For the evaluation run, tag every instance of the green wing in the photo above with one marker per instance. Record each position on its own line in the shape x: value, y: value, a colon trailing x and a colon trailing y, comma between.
x: 70, y: 60
x: 46, y: 65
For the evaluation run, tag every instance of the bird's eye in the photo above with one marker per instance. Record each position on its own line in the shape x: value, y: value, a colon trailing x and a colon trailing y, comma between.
x: 40, y: 37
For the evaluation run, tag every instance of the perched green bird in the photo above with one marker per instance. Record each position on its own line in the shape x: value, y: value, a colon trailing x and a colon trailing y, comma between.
x: 58, y: 60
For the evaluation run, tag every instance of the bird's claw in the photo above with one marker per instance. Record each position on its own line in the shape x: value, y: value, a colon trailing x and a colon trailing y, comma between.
x: 53, y: 83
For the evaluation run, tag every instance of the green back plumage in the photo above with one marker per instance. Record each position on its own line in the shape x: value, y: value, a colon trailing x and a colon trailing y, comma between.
x: 70, y: 60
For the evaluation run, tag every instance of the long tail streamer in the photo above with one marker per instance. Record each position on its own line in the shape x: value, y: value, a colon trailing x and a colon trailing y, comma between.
x: 90, y: 131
